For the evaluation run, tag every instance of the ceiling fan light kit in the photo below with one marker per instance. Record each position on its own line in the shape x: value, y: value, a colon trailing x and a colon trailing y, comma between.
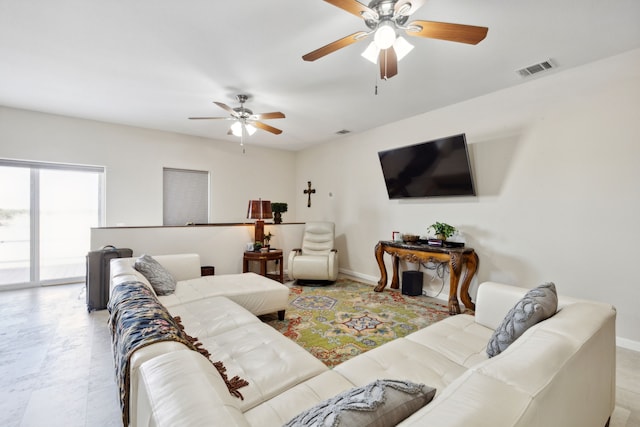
x: 385, y: 18
x: 240, y: 126
x: 401, y: 46
x: 385, y: 35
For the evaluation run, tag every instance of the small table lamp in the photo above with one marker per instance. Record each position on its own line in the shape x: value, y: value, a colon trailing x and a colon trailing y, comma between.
x: 259, y: 210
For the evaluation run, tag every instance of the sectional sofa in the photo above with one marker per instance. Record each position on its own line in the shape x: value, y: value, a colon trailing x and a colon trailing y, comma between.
x: 560, y: 372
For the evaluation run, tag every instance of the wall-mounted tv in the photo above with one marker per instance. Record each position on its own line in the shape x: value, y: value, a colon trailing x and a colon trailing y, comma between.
x: 429, y: 169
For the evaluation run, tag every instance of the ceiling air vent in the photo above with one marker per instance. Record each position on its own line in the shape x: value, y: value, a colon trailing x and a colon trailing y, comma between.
x: 343, y: 132
x: 535, y: 68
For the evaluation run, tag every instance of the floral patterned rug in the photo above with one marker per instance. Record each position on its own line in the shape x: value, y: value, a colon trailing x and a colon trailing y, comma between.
x: 339, y: 321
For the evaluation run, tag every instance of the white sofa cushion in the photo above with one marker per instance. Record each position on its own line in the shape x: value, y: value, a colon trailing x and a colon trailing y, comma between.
x: 269, y: 361
x: 212, y: 316
x: 458, y: 338
x: 401, y: 359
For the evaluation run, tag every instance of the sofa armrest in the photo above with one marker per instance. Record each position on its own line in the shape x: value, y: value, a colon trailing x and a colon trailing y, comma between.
x: 183, y: 388
x: 294, y: 253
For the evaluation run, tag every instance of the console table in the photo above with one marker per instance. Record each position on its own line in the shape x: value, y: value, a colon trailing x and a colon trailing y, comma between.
x: 455, y: 257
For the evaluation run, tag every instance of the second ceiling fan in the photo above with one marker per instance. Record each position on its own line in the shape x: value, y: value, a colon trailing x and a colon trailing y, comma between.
x: 384, y: 18
x: 245, y: 121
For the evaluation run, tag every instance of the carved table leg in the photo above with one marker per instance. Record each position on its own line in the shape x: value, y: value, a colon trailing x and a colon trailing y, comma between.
x: 383, y: 270
x: 394, y: 278
x: 471, y: 265
x: 455, y: 266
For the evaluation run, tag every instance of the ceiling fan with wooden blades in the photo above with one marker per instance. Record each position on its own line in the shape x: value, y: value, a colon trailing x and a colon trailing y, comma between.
x: 245, y: 122
x: 384, y: 19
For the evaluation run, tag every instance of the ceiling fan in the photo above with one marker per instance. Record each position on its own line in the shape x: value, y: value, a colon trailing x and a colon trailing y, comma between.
x: 244, y: 121
x: 384, y: 18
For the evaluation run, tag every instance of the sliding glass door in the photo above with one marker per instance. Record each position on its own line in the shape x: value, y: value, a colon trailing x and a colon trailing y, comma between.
x: 46, y: 215
x: 15, y: 225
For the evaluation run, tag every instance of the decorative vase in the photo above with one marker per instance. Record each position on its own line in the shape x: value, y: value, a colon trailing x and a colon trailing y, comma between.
x: 277, y: 217
x: 441, y: 237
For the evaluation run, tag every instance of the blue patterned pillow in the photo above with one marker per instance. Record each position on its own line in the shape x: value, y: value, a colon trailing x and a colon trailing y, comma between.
x: 537, y: 305
x: 381, y: 403
x: 160, y: 279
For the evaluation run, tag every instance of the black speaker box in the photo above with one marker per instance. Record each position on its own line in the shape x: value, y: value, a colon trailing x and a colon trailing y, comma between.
x: 412, y: 283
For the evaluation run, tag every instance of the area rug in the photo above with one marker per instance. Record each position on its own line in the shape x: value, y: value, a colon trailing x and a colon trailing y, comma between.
x: 347, y: 318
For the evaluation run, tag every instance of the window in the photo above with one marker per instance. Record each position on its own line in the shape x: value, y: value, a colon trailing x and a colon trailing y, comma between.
x: 47, y: 211
x: 185, y: 197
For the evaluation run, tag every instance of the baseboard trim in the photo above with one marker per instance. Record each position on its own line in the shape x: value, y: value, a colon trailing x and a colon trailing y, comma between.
x: 628, y: 344
x: 365, y: 277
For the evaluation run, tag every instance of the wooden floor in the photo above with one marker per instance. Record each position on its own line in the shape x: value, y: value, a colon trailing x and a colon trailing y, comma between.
x: 56, y: 367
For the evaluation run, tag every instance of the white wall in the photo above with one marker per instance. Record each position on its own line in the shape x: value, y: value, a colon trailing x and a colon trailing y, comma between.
x: 556, y: 168
x: 134, y: 159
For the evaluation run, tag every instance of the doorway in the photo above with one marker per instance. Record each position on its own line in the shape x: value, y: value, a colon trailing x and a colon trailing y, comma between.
x: 46, y: 214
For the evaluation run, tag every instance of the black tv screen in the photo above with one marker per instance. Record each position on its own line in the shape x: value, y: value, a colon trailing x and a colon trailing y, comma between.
x: 428, y: 169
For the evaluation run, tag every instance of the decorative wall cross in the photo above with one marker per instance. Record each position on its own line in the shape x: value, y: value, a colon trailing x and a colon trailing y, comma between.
x: 309, y: 191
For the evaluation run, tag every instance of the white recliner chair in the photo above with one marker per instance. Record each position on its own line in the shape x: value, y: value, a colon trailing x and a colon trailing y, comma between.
x: 317, y: 259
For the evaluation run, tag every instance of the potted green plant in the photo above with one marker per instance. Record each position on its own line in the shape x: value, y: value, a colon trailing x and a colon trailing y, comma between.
x: 442, y: 230
x: 278, y: 208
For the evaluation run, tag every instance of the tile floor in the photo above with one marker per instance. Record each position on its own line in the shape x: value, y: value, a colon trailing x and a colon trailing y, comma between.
x: 56, y: 367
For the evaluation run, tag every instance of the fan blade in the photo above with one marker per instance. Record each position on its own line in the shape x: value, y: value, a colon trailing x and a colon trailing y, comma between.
x: 452, y: 32
x: 332, y: 47
x: 266, y: 127
x: 353, y: 7
x: 413, y: 6
x: 388, y: 63
x: 210, y: 118
x: 226, y: 108
x: 263, y: 116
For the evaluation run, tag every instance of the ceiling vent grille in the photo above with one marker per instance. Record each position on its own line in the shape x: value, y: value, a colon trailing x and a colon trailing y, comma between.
x: 535, y: 68
x: 343, y: 132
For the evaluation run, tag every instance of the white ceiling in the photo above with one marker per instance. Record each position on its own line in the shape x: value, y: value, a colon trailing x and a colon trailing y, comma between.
x: 153, y: 63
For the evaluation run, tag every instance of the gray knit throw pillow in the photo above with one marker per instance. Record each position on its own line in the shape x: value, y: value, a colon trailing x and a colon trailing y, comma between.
x: 381, y: 403
x: 160, y: 279
x: 537, y: 305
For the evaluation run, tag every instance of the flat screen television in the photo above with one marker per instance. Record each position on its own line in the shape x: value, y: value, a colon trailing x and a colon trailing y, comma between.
x: 429, y: 169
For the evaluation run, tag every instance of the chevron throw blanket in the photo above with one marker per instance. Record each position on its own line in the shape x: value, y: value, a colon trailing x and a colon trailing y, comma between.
x: 137, y: 319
